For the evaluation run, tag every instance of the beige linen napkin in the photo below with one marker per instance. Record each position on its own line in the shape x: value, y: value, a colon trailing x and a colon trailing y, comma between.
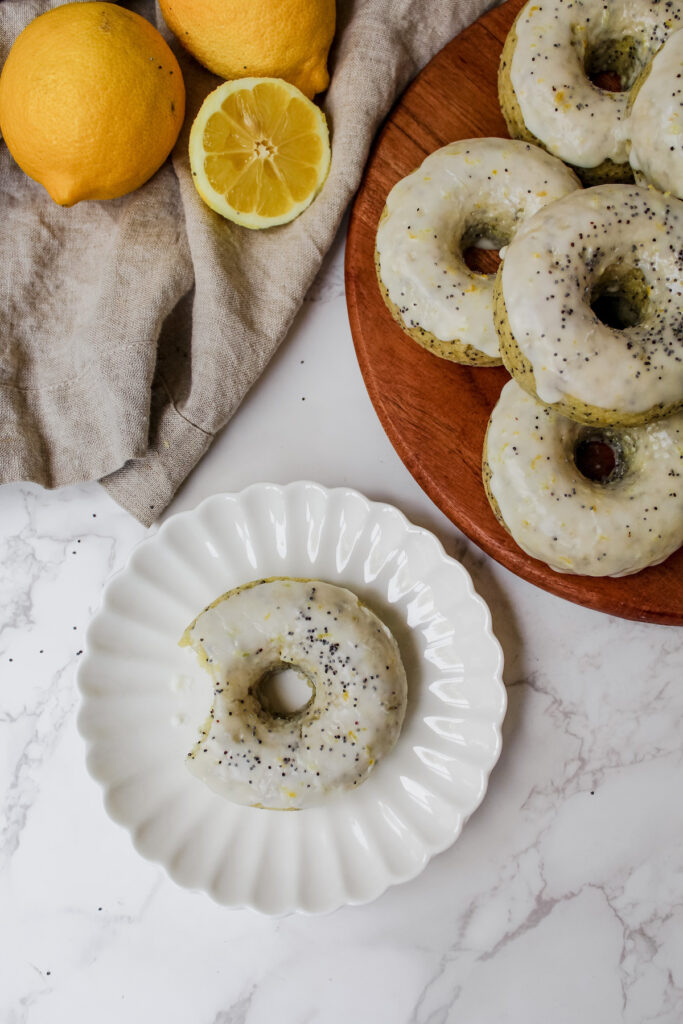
x: 130, y: 330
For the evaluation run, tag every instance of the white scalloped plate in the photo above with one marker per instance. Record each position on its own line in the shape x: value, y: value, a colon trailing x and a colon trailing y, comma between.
x: 143, y: 699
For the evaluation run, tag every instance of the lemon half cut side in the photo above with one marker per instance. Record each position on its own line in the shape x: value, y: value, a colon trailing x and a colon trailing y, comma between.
x: 259, y: 151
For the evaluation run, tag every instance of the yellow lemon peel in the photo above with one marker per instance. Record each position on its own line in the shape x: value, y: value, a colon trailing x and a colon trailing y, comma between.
x: 91, y: 101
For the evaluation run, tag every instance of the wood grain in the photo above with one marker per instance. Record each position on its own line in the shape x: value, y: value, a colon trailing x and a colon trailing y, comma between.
x: 435, y: 413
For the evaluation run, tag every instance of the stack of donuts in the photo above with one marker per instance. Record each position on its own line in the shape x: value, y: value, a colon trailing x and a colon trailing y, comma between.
x: 583, y: 456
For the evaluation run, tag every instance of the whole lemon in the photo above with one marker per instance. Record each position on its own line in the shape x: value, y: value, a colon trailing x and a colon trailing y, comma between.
x: 91, y: 101
x: 286, y: 39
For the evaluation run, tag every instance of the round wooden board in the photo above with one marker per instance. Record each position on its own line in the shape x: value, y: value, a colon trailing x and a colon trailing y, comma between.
x: 435, y: 413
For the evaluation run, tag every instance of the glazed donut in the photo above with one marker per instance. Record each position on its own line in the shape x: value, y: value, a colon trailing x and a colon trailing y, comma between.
x: 588, y: 305
x: 544, y: 88
x: 470, y: 192
x: 253, y: 755
x: 629, y: 518
x: 655, y: 123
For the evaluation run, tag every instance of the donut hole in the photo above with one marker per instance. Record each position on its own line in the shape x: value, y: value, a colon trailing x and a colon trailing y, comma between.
x: 619, y: 298
x: 284, y: 691
x: 480, y: 247
x: 481, y: 261
x: 613, y: 64
x: 599, y: 456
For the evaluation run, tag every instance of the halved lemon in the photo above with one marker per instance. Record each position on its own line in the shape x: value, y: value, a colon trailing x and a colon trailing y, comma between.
x: 259, y: 151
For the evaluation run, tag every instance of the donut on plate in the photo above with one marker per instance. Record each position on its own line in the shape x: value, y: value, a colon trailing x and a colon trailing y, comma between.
x: 655, y: 124
x: 544, y: 81
x: 597, y: 501
x: 589, y: 305
x: 472, y: 192
x: 253, y: 754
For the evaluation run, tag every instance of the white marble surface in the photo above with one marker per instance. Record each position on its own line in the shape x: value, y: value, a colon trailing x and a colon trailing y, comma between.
x: 561, y: 902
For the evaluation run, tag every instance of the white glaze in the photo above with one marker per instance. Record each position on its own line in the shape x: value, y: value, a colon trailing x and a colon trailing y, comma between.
x: 547, y: 285
x: 353, y: 719
x: 573, y: 118
x: 656, y: 121
x: 461, y: 189
x: 574, y: 524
